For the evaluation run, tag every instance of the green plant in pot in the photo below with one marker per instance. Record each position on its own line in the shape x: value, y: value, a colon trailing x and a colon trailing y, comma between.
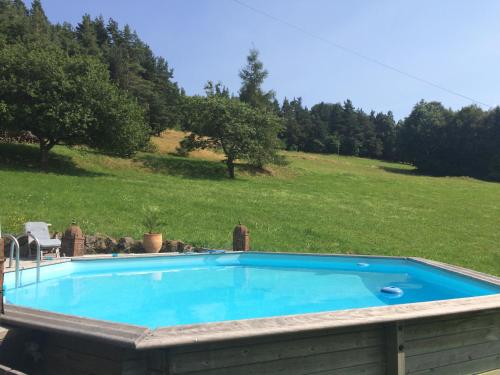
x: 153, y: 239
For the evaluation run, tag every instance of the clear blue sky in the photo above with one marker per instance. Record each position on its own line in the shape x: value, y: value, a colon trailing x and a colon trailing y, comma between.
x: 453, y: 43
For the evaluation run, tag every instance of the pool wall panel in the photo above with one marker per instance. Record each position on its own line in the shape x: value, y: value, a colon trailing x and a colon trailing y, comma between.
x: 338, y: 351
x: 447, y: 345
x: 466, y: 344
x: 64, y: 354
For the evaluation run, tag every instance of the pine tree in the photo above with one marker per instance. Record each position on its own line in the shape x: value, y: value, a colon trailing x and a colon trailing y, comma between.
x: 86, y: 35
x: 101, y: 33
x: 14, y: 25
x: 252, y: 77
x: 39, y: 23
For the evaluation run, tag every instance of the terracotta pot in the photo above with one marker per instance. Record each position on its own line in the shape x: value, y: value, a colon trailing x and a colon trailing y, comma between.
x: 152, y: 242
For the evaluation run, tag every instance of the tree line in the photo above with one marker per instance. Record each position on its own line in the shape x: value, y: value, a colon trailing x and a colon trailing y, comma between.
x: 436, y: 140
x: 99, y: 84
x: 338, y: 128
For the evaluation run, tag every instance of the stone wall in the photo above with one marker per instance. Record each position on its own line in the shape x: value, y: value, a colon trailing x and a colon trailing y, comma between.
x: 103, y: 244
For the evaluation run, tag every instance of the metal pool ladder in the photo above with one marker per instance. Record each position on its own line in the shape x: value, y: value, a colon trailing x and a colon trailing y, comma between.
x: 14, y: 245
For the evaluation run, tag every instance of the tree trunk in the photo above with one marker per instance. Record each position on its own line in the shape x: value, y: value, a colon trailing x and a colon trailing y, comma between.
x: 44, y: 158
x: 230, y: 167
x: 45, y: 147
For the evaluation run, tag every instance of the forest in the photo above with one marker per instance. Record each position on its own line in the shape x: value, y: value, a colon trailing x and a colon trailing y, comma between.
x: 98, y: 84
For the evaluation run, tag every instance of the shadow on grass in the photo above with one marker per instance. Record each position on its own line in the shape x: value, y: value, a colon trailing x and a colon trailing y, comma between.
x: 22, y: 157
x: 195, y: 168
x: 187, y: 168
x: 406, y: 171
x: 416, y: 172
x: 252, y: 170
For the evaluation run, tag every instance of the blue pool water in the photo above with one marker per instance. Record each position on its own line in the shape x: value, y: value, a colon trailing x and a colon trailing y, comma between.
x: 167, y: 291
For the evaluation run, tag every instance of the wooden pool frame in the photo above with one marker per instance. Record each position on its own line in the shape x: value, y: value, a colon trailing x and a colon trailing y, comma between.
x: 440, y: 337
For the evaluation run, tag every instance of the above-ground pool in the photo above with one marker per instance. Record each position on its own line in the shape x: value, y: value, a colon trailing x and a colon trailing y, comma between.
x: 178, y: 290
x: 240, y: 313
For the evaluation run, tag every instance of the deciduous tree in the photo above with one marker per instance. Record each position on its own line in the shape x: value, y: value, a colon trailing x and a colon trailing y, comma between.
x: 240, y: 131
x: 67, y: 99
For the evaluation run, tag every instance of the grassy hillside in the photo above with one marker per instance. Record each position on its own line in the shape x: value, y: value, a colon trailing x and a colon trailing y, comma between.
x: 315, y: 204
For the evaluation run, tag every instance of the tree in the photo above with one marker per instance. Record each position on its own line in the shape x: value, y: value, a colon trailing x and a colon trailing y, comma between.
x: 371, y: 145
x: 385, y: 128
x: 14, y: 23
x: 39, y: 25
x: 421, y: 138
x: 350, y: 131
x: 240, y: 131
x: 252, y: 77
x: 87, y: 36
x: 67, y: 99
x: 131, y: 63
x: 487, y: 145
x: 148, y: 78
x: 64, y: 37
x: 292, y: 133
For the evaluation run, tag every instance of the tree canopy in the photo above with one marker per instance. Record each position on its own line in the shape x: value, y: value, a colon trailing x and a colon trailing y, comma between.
x: 70, y: 99
x: 444, y: 142
x: 130, y: 62
x: 220, y: 122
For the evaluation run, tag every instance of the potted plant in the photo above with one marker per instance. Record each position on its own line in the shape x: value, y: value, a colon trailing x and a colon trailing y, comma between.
x: 152, y: 240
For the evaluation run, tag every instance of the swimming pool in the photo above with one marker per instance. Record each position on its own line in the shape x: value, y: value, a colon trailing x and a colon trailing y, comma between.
x: 192, y: 289
x: 256, y: 313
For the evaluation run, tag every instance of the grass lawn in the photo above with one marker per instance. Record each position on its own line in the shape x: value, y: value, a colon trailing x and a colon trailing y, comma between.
x: 315, y: 204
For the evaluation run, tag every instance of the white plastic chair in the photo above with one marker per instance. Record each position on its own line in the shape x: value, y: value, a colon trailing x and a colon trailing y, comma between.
x: 40, y: 230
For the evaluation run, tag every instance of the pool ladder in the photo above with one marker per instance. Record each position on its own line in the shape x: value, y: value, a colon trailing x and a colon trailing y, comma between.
x: 15, y: 250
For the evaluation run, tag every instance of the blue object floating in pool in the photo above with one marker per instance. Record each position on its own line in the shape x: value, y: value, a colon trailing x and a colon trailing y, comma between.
x: 363, y: 264
x: 392, y: 290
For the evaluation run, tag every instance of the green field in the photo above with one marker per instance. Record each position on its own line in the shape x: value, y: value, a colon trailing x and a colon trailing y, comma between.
x: 315, y: 204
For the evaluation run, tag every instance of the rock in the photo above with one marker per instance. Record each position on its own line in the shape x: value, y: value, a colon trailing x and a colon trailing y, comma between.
x: 129, y: 245
x: 100, y: 244
x: 111, y: 244
x: 180, y: 246
x: 125, y: 244
x: 138, y: 248
x: 164, y: 246
x: 172, y: 246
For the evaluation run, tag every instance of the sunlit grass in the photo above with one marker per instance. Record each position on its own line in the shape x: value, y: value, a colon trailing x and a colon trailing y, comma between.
x: 317, y: 203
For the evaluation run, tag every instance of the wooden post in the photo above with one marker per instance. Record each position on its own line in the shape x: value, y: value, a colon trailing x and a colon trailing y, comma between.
x: 395, y: 349
x: 2, y: 261
x: 241, y: 238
